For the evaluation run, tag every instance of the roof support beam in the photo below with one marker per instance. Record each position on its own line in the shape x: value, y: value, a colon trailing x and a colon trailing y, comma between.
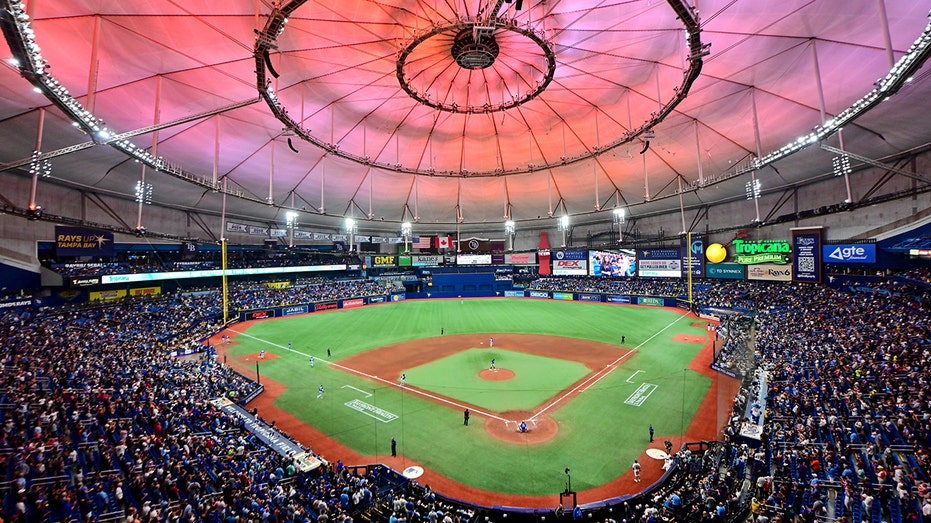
x: 877, y: 163
x: 128, y: 134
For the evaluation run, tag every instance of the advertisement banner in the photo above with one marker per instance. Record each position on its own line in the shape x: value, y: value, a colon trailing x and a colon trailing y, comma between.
x: 327, y: 306
x: 671, y: 268
x: 649, y: 300
x: 562, y: 296
x: 751, y: 252
x: 497, y: 259
x: 277, y: 284
x: 260, y: 315
x: 697, y: 250
x: 145, y: 291
x: 543, y: 254
x: 617, y: 299
x: 727, y: 372
x: 523, y: 258
x: 80, y: 241
x: 399, y: 297
x: 658, y: 254
x: 849, y: 253
x: 589, y: 297
x: 473, y: 259
x: 355, y: 302
x: 539, y: 294
x: 295, y: 309
x: 385, y: 260
x: 258, y: 231
x: 514, y: 294
x: 110, y: 295
x: 807, y: 263
x: 84, y: 282
x: 769, y: 272
x: 570, y: 267
x: 426, y: 261
x: 376, y: 299
x: 570, y: 255
x: 16, y: 304
x: 727, y: 271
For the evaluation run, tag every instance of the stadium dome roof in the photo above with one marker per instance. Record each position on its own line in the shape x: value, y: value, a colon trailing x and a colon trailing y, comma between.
x: 449, y: 111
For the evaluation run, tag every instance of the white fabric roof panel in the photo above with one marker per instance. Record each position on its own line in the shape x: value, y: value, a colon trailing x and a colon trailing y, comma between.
x: 615, y: 63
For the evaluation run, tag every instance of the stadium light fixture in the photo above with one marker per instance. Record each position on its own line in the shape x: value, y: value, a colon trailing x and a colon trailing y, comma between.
x: 143, y: 193
x: 841, y: 165
x: 406, y: 233
x: 753, y: 189
x: 509, y: 230
x: 351, y: 227
x: 563, y: 226
x: 291, y: 217
x: 619, y: 217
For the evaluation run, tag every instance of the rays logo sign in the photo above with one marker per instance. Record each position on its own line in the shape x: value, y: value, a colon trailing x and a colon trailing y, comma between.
x: 78, y: 241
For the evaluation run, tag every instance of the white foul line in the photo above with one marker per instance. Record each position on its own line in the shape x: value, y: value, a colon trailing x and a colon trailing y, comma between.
x: 595, y: 378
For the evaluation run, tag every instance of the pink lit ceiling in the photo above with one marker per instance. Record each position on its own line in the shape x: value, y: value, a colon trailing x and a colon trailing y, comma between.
x: 537, y: 120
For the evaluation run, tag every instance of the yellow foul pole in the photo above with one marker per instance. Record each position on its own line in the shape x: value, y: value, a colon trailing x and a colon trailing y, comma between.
x: 225, y: 294
x: 688, y: 266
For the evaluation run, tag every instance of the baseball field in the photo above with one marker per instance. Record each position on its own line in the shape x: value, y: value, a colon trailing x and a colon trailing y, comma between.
x: 586, y: 397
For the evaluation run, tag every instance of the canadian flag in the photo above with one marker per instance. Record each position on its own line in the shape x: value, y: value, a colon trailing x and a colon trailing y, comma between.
x: 444, y: 242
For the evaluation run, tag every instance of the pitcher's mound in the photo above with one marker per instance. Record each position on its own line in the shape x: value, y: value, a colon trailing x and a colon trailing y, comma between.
x: 496, y: 374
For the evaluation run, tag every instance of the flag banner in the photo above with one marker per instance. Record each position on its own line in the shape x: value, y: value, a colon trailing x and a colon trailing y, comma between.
x: 444, y: 242
x: 236, y: 227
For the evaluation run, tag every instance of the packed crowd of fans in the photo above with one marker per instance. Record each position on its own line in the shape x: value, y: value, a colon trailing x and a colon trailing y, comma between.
x: 847, y: 432
x: 260, y: 296
x: 624, y: 287
x: 130, y: 263
x: 96, y: 419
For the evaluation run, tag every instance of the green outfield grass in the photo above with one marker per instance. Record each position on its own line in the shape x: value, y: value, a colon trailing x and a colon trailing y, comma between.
x: 536, y: 379
x: 599, y: 434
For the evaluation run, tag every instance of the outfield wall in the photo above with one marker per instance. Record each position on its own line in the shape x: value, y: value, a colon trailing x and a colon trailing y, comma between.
x: 348, y: 303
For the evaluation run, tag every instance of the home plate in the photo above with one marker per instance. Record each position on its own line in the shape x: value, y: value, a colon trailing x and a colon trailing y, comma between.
x: 414, y: 472
x: 656, y: 453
